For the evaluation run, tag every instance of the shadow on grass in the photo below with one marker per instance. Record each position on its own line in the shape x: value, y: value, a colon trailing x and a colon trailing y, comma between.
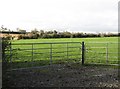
x: 36, y: 63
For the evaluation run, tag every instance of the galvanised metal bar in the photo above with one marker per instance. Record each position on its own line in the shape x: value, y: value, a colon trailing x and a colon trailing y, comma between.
x: 67, y: 50
x: 32, y: 52
x: 106, y: 53
x: 51, y: 54
x: 10, y: 52
x: 45, y: 43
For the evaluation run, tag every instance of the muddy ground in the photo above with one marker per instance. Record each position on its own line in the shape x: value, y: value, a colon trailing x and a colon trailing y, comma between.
x: 60, y: 75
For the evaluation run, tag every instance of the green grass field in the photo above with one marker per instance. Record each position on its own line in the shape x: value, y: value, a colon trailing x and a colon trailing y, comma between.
x: 98, y: 50
x: 103, y: 39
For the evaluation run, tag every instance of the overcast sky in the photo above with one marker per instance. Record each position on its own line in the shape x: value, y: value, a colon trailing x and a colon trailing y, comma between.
x: 62, y: 15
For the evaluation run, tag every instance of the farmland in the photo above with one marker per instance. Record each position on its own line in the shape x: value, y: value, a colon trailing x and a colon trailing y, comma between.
x: 59, y: 74
x: 97, y: 50
x: 101, y: 39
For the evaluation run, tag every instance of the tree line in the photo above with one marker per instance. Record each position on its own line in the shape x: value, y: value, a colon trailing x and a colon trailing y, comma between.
x: 35, y: 34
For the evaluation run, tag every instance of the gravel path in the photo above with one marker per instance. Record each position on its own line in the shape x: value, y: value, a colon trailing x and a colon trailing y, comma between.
x: 73, y: 75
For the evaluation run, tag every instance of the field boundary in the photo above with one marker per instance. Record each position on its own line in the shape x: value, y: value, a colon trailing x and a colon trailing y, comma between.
x: 109, y: 52
x: 52, y: 53
x: 64, y: 52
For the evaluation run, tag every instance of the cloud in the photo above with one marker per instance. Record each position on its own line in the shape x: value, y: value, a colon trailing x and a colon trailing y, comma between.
x: 72, y: 14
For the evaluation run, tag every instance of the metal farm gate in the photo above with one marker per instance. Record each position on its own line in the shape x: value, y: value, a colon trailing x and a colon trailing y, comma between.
x: 22, y: 55
x: 101, y: 53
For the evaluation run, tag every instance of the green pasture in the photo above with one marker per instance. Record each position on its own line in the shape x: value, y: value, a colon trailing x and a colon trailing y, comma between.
x: 97, y: 50
x: 99, y: 39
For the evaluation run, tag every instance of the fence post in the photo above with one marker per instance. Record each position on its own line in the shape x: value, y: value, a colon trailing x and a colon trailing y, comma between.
x: 51, y: 54
x: 32, y: 51
x: 106, y: 52
x: 83, y: 51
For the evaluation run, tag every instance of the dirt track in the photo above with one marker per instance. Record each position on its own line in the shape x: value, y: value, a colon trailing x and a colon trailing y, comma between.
x: 63, y: 76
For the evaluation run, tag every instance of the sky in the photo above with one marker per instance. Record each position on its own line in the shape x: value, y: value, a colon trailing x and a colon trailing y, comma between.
x: 61, y: 15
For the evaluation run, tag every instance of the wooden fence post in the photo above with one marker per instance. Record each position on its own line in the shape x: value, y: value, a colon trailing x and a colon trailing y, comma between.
x: 83, y: 51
